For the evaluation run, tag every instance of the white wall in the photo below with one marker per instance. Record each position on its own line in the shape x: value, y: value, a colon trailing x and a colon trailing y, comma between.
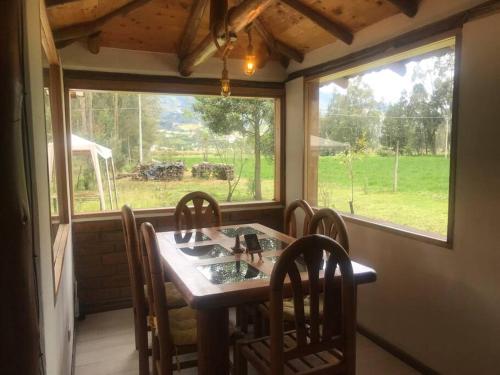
x: 442, y: 305
x: 57, y: 313
x: 77, y: 57
x: 294, y: 142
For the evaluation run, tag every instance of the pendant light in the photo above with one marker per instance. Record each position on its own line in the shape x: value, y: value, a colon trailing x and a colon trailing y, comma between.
x: 225, y: 84
x: 250, y: 60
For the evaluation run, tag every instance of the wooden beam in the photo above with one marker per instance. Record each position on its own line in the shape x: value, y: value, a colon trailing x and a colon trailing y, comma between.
x: 94, y: 42
x: 408, y: 7
x: 192, y: 25
x: 48, y: 43
x: 336, y: 29
x: 276, y: 45
x: 58, y: 2
x: 239, y: 17
x: 89, y: 28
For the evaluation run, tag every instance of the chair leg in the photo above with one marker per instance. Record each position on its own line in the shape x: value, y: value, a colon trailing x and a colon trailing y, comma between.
x: 142, y: 343
x: 136, y: 328
x: 257, y: 323
x: 242, y: 318
x: 240, y: 362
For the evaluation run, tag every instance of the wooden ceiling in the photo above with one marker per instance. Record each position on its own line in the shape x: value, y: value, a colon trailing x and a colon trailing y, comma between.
x: 292, y: 27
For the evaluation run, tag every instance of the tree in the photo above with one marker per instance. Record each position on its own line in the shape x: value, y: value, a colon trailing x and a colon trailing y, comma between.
x: 252, y: 118
x: 231, y: 153
x: 352, y: 117
x: 395, y: 132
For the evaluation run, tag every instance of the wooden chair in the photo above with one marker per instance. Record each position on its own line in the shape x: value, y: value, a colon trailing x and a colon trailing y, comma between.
x: 329, y: 223
x: 204, y: 216
x: 140, y: 307
x: 173, y: 330
x: 290, y: 224
x: 326, y: 346
x: 139, y: 289
x: 261, y: 319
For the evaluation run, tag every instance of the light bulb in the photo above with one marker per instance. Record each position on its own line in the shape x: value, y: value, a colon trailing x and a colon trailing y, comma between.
x: 250, y: 64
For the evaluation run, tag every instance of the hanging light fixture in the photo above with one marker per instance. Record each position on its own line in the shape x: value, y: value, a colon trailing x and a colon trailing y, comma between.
x: 225, y: 84
x: 250, y: 60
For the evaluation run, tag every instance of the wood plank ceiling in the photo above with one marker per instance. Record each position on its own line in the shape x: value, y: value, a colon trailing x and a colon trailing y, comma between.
x: 290, y: 28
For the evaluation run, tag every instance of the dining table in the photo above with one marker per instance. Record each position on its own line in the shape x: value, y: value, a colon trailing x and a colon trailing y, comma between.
x: 212, y: 279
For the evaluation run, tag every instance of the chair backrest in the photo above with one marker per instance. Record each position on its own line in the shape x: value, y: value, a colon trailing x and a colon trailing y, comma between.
x: 329, y: 223
x: 290, y: 224
x: 204, y: 216
x: 156, y: 290
x: 133, y: 258
x: 336, y: 329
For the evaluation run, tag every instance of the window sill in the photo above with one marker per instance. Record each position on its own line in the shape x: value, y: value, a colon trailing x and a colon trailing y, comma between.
x: 399, y: 230
x: 59, y: 251
x: 153, y: 212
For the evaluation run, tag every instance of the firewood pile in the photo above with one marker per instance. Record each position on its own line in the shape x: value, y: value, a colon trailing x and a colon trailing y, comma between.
x: 217, y: 171
x: 160, y: 171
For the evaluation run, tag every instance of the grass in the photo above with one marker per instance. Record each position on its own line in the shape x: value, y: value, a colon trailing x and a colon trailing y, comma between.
x: 421, y: 201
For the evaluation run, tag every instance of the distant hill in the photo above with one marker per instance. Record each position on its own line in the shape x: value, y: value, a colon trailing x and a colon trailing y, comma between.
x: 176, y: 109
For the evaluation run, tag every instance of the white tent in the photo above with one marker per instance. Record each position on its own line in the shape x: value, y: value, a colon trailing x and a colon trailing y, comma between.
x: 83, y: 146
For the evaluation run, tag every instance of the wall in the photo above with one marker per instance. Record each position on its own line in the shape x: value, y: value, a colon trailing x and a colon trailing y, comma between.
x: 100, y: 260
x: 442, y: 305
x: 294, y: 143
x: 56, y: 312
x: 77, y: 57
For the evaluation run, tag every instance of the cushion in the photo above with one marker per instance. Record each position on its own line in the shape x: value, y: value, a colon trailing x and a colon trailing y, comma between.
x: 183, y: 326
x: 174, y: 297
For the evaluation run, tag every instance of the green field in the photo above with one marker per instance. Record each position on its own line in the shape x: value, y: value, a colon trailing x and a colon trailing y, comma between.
x: 421, y: 201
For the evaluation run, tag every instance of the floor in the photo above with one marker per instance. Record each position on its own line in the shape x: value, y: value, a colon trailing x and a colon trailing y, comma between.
x: 105, y: 346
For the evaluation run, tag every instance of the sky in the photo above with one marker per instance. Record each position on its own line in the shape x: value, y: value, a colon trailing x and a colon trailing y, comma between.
x: 386, y: 84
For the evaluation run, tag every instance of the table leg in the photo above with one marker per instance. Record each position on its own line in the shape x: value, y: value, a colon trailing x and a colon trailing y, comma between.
x: 213, y: 342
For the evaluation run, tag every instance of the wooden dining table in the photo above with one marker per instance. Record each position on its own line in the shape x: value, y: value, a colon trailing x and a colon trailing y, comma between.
x: 212, y: 279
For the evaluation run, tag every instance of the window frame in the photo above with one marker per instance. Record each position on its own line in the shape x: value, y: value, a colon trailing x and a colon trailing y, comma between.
x: 53, y: 78
x: 377, y: 54
x: 87, y: 80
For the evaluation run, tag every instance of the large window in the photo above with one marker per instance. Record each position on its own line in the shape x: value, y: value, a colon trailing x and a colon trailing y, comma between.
x: 148, y: 150
x: 380, y: 136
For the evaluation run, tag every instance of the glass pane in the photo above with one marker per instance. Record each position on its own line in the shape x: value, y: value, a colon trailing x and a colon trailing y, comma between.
x: 206, y: 251
x: 379, y: 141
x: 270, y: 244
x: 231, y: 232
x: 148, y: 150
x: 54, y: 204
x: 231, y: 272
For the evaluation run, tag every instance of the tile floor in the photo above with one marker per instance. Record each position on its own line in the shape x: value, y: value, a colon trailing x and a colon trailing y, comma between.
x: 105, y: 346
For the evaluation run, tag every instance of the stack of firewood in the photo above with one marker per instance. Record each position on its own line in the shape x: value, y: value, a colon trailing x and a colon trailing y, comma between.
x: 160, y: 171
x: 217, y: 171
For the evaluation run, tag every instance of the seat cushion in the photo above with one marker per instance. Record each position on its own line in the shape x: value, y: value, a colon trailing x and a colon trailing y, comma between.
x: 174, y: 297
x: 183, y: 326
x: 289, y: 312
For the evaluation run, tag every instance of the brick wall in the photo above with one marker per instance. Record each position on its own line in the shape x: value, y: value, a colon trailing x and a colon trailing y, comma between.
x: 100, y: 261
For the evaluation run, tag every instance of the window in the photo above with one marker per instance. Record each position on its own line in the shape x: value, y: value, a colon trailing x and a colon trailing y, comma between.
x: 379, y: 139
x: 148, y: 149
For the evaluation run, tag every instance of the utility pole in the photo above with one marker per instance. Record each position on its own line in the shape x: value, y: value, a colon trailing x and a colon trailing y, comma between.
x: 140, y: 129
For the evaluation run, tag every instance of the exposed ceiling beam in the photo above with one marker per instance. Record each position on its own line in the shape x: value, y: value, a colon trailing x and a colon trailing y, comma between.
x: 408, y: 7
x: 88, y: 28
x: 57, y: 2
x: 239, y: 17
x: 336, y: 29
x: 276, y: 45
x: 192, y: 25
x: 94, y: 42
x: 47, y: 37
